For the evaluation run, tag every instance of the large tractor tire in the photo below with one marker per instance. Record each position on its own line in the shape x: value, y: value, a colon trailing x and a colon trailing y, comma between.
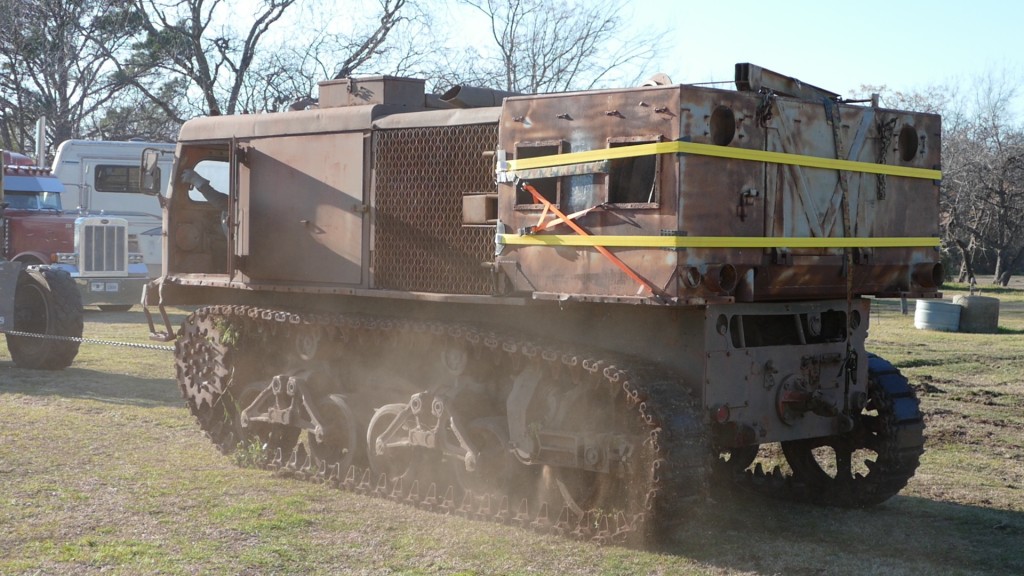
x: 46, y: 301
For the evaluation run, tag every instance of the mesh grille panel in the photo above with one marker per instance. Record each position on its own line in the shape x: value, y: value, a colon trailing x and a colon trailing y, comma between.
x: 421, y: 175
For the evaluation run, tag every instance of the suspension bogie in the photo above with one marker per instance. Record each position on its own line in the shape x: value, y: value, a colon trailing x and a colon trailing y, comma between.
x: 489, y: 418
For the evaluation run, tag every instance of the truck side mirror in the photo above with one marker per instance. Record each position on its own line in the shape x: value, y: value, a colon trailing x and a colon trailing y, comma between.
x: 150, y: 170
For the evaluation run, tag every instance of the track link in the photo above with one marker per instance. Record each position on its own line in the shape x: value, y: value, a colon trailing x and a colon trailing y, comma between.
x: 220, y: 347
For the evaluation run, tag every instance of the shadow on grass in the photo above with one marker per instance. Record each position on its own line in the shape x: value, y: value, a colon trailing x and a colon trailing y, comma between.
x: 103, y: 386
x: 91, y: 384
x: 923, y: 362
x: 907, y: 534
x: 135, y: 316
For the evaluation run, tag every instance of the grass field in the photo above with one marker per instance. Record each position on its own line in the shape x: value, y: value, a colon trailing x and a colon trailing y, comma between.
x: 102, y: 471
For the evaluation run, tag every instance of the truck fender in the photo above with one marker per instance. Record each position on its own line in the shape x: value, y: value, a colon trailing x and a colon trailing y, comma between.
x: 31, y: 257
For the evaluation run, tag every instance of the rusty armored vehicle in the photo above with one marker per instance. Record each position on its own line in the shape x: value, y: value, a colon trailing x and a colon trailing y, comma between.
x: 568, y: 311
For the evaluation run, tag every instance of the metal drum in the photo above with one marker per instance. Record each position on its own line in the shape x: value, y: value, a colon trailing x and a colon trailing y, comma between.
x: 937, y: 315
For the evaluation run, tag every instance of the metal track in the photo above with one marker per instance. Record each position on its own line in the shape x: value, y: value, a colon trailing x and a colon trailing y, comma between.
x: 672, y: 460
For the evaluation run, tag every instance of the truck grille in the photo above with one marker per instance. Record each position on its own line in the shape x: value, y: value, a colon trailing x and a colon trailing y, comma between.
x: 104, y: 246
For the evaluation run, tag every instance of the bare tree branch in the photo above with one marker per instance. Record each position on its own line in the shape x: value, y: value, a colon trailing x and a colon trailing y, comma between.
x: 545, y: 46
x: 57, y: 56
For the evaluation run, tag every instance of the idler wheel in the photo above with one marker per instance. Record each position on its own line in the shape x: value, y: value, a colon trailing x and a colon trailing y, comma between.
x: 874, y: 460
x: 733, y: 461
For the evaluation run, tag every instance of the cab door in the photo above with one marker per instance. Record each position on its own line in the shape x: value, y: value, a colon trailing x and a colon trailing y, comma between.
x: 300, y: 209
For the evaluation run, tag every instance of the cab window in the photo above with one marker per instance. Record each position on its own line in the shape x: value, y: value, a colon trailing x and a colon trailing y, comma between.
x: 112, y: 178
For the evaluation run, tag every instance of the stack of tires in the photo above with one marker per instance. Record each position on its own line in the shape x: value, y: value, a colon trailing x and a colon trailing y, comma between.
x: 46, y: 302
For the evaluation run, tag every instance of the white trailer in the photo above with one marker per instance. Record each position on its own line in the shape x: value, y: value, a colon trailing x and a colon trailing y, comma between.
x: 101, y: 177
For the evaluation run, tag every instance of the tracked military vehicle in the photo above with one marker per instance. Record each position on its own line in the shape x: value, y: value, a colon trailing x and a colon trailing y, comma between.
x: 567, y: 311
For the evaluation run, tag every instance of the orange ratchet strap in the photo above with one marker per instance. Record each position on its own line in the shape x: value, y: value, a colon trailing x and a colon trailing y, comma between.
x: 576, y: 228
x: 544, y: 224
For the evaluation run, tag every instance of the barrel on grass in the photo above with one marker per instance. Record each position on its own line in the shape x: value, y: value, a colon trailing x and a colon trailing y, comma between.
x: 937, y: 315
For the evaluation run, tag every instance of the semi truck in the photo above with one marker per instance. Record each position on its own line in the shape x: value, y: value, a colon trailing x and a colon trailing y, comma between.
x: 93, y: 249
x: 101, y: 178
x: 35, y: 301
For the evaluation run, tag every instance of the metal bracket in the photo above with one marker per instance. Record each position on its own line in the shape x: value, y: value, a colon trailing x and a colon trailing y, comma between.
x: 285, y: 401
x: 427, y: 434
x: 747, y: 198
x: 782, y: 256
x: 168, y: 334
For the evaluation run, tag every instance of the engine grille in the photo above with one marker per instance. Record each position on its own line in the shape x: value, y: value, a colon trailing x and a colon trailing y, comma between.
x: 104, y: 247
x: 420, y: 243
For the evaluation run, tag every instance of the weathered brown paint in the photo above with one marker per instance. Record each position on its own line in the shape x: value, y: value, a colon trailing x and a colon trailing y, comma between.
x: 731, y: 197
x: 358, y: 208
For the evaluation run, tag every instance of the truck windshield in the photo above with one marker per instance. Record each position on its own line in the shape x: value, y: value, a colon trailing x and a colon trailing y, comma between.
x: 32, y: 200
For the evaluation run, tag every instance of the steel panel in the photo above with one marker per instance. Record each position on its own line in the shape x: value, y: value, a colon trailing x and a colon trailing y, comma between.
x: 304, y: 202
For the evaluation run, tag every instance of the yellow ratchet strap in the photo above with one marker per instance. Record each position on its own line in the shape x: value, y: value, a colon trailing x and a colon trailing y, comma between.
x: 713, y: 241
x: 507, y: 170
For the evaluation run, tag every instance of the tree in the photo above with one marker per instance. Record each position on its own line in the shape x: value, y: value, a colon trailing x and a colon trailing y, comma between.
x: 197, y: 40
x: 55, y: 56
x: 229, y: 64
x: 546, y: 46
x: 132, y: 115
x: 984, y: 183
x: 982, y: 198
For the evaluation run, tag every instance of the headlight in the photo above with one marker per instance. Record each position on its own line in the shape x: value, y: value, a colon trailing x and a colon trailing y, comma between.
x: 66, y: 258
x: 135, y: 258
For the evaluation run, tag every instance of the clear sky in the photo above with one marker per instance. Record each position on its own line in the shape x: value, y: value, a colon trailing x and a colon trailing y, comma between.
x: 902, y: 44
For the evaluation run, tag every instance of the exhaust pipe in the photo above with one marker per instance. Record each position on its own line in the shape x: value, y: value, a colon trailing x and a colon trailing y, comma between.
x: 471, y: 97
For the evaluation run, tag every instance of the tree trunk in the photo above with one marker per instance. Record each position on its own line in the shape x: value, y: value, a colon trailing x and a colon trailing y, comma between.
x: 1002, y: 271
x: 966, y: 267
